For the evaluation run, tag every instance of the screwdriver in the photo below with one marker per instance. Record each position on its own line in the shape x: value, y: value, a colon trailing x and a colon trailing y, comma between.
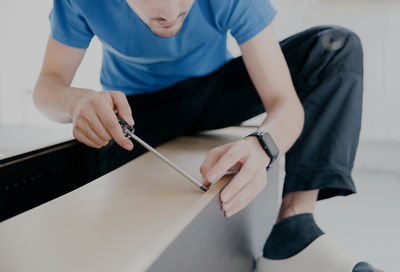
x: 129, y: 132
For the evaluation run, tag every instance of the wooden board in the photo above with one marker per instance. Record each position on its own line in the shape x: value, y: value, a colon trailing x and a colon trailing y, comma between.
x: 123, y: 221
x: 212, y: 242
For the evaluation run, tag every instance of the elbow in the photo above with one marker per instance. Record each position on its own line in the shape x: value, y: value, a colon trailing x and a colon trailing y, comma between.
x: 39, y: 94
x: 300, y: 116
x: 39, y: 97
x: 36, y: 96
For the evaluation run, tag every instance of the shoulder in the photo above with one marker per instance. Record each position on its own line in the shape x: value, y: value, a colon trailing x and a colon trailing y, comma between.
x: 218, y: 11
x: 225, y: 8
x: 83, y: 5
x: 224, y: 11
x: 244, y: 18
x: 219, y: 6
x: 228, y: 5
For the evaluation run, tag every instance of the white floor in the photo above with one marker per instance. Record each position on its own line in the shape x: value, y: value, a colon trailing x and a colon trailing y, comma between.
x: 369, y: 222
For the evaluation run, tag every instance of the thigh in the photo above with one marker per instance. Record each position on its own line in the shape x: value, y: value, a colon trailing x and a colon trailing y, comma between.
x: 159, y: 117
x: 223, y: 98
x: 229, y: 98
x: 319, y: 53
x: 168, y: 113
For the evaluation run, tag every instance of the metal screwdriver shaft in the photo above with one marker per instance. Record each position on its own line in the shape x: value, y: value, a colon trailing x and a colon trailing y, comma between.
x: 129, y: 131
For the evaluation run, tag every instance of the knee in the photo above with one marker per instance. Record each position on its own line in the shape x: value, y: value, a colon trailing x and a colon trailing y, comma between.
x: 344, y: 56
x: 346, y: 46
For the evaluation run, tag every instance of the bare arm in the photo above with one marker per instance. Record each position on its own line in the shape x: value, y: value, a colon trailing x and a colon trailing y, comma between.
x: 53, y: 95
x: 92, y: 113
x: 270, y: 75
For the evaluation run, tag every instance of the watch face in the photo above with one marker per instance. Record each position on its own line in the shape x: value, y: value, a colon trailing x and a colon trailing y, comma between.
x: 273, y: 149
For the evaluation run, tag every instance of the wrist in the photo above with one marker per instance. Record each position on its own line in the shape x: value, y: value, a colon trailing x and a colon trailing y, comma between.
x: 267, y: 144
x: 254, y: 141
x: 76, y: 98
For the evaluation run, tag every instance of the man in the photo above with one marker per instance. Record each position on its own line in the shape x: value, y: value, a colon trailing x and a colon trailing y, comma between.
x: 166, y: 61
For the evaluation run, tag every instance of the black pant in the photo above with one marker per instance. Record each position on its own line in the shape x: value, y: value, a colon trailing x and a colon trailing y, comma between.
x: 326, y: 66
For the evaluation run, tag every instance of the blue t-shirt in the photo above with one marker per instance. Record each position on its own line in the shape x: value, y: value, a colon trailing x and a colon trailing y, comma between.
x: 135, y: 60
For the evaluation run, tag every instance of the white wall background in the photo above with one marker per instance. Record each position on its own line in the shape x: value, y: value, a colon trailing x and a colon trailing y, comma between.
x: 24, y: 29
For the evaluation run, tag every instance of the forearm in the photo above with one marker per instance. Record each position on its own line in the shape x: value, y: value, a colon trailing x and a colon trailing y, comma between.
x: 284, y: 121
x: 270, y: 75
x: 56, y: 99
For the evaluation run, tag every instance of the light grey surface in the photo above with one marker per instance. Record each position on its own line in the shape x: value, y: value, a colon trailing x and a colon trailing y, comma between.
x: 17, y: 140
x: 378, y: 157
x: 368, y: 222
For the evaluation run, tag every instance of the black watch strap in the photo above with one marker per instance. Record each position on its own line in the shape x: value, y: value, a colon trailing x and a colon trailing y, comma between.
x: 268, y: 144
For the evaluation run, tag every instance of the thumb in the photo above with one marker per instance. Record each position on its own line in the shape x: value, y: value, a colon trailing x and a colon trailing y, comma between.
x: 211, y: 158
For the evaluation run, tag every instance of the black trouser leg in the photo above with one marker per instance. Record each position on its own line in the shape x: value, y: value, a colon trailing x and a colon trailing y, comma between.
x: 326, y: 65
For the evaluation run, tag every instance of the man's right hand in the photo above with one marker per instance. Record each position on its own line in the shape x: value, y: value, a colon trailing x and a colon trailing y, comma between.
x: 93, y: 113
x: 94, y: 119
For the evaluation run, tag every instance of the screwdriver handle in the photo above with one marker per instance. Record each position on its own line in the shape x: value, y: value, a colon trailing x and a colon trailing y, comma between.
x: 125, y: 127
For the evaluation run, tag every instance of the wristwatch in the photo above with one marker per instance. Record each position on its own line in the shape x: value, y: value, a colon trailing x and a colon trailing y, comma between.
x: 268, y: 144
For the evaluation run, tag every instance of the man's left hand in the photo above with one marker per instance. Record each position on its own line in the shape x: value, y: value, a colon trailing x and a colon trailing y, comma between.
x: 249, y: 160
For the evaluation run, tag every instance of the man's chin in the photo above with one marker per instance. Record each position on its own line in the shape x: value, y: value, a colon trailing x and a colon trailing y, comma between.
x: 167, y: 33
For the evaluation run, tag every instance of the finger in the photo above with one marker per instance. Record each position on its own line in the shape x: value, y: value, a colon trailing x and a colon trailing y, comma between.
x: 91, y: 135
x: 235, y: 168
x: 235, y: 153
x: 93, y: 129
x: 81, y: 128
x: 244, y: 176
x: 246, y: 195
x: 98, y: 128
x: 211, y: 158
x: 85, y: 140
x: 123, y: 107
x: 111, y: 124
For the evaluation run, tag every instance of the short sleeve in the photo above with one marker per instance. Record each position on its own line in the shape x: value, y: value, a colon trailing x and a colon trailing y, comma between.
x: 68, y: 26
x: 247, y: 18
